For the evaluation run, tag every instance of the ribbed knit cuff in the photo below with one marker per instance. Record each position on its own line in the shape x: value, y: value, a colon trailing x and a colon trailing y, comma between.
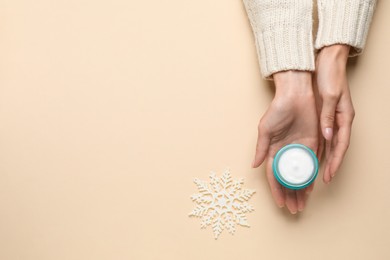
x: 285, y: 48
x: 344, y: 22
x: 283, y: 34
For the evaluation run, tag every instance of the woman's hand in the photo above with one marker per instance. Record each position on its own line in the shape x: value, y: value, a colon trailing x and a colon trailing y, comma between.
x: 336, y: 108
x: 291, y: 118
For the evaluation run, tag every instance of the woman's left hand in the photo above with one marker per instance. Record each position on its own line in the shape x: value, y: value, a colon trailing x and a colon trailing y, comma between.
x: 335, y: 105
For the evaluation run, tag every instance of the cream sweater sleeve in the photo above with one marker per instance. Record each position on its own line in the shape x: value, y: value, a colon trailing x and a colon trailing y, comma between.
x: 345, y: 22
x: 283, y: 34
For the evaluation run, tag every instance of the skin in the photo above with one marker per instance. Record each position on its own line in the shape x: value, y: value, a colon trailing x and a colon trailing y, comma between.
x: 290, y: 118
x: 335, y: 102
x: 314, y: 110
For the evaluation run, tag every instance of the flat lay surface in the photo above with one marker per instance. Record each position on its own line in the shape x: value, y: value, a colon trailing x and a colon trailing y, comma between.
x: 110, y: 109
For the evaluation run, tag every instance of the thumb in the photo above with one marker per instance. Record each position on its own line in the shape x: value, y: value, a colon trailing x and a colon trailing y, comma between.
x: 262, y: 146
x: 327, y: 117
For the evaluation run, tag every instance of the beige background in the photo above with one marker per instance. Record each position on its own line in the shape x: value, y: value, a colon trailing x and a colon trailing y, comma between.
x: 109, y: 109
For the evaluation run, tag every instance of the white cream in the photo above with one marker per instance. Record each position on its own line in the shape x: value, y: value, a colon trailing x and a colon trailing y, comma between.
x: 296, y: 165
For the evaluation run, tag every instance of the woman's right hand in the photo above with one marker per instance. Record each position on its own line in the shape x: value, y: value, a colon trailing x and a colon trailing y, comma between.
x: 291, y: 118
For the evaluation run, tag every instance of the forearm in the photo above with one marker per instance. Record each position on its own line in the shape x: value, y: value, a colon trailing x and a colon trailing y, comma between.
x: 344, y: 22
x: 283, y: 34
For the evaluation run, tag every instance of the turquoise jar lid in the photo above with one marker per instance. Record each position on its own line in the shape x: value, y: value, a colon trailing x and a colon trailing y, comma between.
x: 295, y: 166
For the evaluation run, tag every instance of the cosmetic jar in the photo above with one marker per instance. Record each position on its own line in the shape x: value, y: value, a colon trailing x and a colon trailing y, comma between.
x: 295, y: 166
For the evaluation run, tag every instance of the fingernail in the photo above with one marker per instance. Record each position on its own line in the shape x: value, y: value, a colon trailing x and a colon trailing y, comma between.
x: 293, y: 212
x: 328, y: 133
x: 253, y: 163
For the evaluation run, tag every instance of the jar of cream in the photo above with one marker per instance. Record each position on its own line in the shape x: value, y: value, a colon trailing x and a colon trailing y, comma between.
x: 295, y: 166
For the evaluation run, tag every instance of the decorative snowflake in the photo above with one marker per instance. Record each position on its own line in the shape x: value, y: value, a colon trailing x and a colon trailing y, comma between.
x: 222, y: 203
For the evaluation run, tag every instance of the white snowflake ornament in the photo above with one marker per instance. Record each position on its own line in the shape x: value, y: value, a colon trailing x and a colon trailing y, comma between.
x: 221, y: 203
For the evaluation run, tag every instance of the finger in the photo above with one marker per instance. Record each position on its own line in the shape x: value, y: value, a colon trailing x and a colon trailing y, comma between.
x: 328, y: 146
x: 291, y: 200
x: 327, y: 117
x: 320, y: 150
x: 309, y: 189
x: 343, y: 136
x: 263, y: 141
x: 301, y: 198
x: 276, y: 187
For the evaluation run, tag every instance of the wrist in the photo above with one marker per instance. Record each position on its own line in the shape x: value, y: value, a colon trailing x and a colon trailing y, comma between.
x: 338, y: 53
x: 293, y: 83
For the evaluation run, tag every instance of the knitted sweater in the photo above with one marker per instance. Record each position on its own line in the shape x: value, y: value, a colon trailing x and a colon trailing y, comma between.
x: 283, y: 30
